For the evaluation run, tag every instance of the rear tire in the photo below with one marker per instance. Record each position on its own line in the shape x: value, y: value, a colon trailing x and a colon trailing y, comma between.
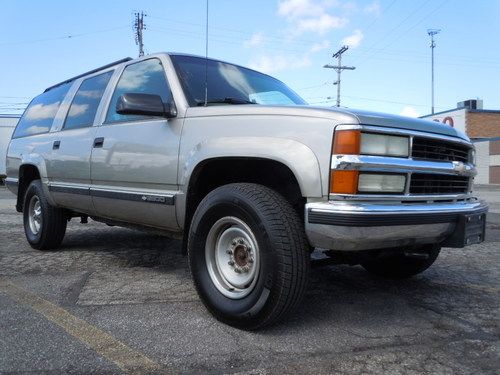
x: 248, y: 255
x: 399, y: 266
x: 44, y: 225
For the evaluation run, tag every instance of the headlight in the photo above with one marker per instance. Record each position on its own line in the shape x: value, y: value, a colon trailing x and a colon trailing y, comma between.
x: 381, y: 183
x: 354, y: 142
x: 384, y: 145
x: 472, y: 157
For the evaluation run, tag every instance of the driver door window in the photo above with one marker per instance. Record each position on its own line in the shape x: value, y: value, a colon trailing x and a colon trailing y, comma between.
x: 145, y: 77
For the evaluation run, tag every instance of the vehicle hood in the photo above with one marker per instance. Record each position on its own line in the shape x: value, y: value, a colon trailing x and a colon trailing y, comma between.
x: 338, y: 115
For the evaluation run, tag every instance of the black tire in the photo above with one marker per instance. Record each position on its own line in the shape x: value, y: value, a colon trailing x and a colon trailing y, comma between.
x: 52, y: 224
x: 400, y: 266
x: 282, y: 276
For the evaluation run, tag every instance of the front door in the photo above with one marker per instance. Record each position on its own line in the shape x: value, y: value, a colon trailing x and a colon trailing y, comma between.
x: 134, y: 158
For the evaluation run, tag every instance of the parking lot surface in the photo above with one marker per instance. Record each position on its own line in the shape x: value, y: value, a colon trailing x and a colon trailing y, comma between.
x: 114, y: 300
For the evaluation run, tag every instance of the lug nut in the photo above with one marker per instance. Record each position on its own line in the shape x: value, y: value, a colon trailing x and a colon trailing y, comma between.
x: 229, y: 252
x: 240, y: 241
x: 231, y: 263
x: 237, y: 270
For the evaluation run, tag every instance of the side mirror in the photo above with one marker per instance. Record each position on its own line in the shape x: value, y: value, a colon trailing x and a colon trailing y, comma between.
x: 144, y: 104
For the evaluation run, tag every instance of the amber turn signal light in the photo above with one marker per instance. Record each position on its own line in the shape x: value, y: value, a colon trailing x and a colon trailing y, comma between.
x: 347, y: 142
x: 344, y: 182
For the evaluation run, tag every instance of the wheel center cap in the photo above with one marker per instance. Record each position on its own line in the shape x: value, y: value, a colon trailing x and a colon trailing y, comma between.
x: 241, y: 255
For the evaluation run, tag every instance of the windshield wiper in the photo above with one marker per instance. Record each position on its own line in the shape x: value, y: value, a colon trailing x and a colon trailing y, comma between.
x: 225, y: 101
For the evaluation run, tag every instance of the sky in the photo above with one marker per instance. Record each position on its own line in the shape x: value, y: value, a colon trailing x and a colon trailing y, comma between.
x: 45, y: 42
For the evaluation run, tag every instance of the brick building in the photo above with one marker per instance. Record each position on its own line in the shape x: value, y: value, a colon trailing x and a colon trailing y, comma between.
x: 483, y: 127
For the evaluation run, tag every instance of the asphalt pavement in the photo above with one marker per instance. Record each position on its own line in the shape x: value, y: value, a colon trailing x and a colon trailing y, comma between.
x: 115, y: 300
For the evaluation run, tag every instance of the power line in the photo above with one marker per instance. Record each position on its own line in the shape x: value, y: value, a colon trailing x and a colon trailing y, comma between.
x: 398, y: 36
x: 390, y: 32
x: 71, y: 36
x: 329, y: 100
x: 339, y: 68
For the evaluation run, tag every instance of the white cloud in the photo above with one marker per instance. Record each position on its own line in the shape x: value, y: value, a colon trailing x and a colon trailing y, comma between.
x: 321, y: 24
x: 270, y: 64
x: 353, y: 40
x: 300, y: 8
x: 316, y: 47
x: 373, y: 8
x: 313, y: 15
x: 409, y: 111
x: 255, y: 40
x: 42, y: 111
x: 78, y: 109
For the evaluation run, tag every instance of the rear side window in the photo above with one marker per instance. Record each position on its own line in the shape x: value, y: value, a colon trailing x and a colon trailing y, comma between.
x: 84, y: 106
x: 39, y: 115
x: 145, y: 77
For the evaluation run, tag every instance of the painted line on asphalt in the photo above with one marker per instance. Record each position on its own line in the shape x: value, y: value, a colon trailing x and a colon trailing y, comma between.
x: 130, y: 361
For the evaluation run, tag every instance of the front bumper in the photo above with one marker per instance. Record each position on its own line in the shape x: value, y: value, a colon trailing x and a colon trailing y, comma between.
x: 355, y: 226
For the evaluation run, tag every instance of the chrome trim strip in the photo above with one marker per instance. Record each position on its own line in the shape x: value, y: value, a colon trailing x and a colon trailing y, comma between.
x: 399, y: 197
x: 12, y: 181
x: 396, y: 209
x: 397, y: 131
x: 400, y: 165
x: 135, y: 196
x: 69, y: 189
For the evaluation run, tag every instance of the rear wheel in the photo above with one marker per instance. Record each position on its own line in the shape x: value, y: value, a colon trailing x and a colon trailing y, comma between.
x: 44, y: 225
x: 248, y: 255
x: 401, y: 265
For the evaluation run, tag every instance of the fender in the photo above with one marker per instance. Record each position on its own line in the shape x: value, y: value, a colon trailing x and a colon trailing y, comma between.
x: 39, y: 162
x: 295, y: 155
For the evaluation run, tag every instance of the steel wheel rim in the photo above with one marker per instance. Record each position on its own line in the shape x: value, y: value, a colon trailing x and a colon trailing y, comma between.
x: 232, y: 257
x: 35, y: 215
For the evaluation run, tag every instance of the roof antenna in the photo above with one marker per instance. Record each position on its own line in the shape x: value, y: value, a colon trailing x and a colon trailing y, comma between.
x: 206, y: 58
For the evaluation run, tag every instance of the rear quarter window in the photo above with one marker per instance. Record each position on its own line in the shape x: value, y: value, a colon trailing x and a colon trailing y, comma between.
x: 40, y: 114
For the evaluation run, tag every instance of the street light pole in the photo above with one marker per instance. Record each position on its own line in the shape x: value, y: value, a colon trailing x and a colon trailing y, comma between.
x: 431, y: 33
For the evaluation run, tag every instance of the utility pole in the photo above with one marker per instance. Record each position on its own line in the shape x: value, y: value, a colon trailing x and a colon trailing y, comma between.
x: 339, y: 68
x: 139, y: 26
x: 431, y: 33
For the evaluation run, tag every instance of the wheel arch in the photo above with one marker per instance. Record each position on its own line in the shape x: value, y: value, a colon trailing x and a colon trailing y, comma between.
x: 215, y: 172
x: 27, y: 173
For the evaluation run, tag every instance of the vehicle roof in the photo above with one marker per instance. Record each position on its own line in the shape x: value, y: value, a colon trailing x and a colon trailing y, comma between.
x: 127, y: 59
x: 89, y: 72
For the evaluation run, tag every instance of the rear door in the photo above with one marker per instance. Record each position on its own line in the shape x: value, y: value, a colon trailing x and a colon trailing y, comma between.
x: 69, y: 160
x: 134, y: 158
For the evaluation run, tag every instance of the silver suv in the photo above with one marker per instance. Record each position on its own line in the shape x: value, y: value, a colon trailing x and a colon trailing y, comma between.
x: 235, y: 164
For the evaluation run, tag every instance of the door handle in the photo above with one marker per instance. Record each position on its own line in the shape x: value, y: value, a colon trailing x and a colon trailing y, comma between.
x: 98, y: 142
x: 55, y: 145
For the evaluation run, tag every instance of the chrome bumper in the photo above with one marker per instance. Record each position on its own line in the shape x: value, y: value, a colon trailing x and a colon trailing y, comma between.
x: 363, y: 226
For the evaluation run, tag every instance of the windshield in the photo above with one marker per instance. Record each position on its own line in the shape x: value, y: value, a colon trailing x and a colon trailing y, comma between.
x: 230, y: 84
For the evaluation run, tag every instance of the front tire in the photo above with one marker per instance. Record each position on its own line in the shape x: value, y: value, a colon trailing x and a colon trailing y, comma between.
x: 248, y: 255
x: 400, y: 266
x: 44, y: 225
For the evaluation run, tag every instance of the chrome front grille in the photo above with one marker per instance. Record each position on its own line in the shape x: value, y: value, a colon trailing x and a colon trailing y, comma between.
x: 432, y: 149
x: 428, y: 183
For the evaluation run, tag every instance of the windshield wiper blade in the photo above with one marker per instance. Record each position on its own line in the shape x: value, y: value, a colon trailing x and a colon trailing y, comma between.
x: 226, y: 100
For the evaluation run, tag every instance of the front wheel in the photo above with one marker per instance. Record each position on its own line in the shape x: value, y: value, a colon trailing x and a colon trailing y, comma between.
x: 399, y: 266
x: 44, y: 225
x: 248, y: 255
